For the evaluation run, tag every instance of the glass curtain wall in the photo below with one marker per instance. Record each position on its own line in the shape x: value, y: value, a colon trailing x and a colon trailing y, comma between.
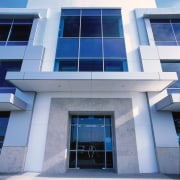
x: 90, y: 40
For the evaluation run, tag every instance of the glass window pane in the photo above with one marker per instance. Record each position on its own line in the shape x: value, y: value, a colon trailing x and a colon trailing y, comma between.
x: 176, y: 28
x: 75, y: 12
x: 20, y: 32
x: 8, y: 66
x: 115, y: 65
x: 91, y: 65
x: 111, y: 12
x: 166, y: 43
x: 162, y: 32
x: 112, y: 26
x: 159, y: 20
x: 69, y: 26
x: 108, y: 138
x: 72, y: 159
x: 91, y: 47
x: 23, y: 21
x: 172, y: 67
x: 109, y: 160
x: 67, y: 47
x: 91, y: 120
x: 66, y: 65
x: 114, y: 47
x: 87, y: 12
x: 73, y: 137
x: 4, y: 31
x: 91, y: 26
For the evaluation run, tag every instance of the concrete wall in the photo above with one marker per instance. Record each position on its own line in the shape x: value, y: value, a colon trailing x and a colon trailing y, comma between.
x: 125, y: 150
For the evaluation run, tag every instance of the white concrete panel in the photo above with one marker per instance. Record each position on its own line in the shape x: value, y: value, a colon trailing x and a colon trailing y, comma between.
x: 169, y: 52
x: 151, y: 66
x: 12, y: 52
x: 31, y: 65
x: 149, y: 52
x: 34, y: 52
x: 18, y: 129
x: 163, y: 125
x: 144, y: 135
x: 37, y: 139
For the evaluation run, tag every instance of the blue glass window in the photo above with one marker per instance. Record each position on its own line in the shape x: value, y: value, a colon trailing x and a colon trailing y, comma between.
x: 90, y: 47
x: 112, y: 26
x: 91, y: 26
x: 4, y: 118
x: 8, y: 66
x: 172, y: 67
x: 69, y: 26
x: 89, y: 12
x: 15, y: 31
x: 67, y: 47
x: 114, y: 47
x: 90, y: 65
x: 91, y: 40
x: 176, y: 117
x: 115, y: 65
x: 166, y: 31
x: 66, y: 65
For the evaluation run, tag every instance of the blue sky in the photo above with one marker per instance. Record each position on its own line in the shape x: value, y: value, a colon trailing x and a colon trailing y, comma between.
x: 168, y: 3
x: 13, y: 3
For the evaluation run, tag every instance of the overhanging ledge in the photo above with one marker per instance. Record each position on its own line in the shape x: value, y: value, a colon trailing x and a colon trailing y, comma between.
x: 91, y: 81
x: 9, y: 102
x: 169, y: 103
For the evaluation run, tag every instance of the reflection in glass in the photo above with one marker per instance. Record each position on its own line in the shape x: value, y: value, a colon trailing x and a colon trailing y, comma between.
x: 73, y: 137
x: 172, y: 67
x: 91, y: 26
x: 88, y: 12
x: 176, y: 28
x: 162, y: 32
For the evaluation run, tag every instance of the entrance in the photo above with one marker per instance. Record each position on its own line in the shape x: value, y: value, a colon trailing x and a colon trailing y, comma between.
x: 91, y: 142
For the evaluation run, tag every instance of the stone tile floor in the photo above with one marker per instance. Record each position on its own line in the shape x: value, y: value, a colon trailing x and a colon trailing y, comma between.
x: 85, y: 175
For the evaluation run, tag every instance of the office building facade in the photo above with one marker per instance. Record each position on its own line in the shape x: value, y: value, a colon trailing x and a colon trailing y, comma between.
x: 89, y: 85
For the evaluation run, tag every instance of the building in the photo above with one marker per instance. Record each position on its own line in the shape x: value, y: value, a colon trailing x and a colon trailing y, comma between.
x: 90, y: 85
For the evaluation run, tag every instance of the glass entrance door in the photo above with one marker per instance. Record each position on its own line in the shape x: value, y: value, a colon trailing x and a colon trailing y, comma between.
x: 91, y: 142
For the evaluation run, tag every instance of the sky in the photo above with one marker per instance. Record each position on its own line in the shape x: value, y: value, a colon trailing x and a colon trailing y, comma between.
x: 13, y: 3
x: 168, y: 3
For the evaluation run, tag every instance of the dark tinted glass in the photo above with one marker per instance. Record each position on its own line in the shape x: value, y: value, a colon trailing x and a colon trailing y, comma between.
x: 72, y: 159
x: 163, y: 32
x: 90, y: 65
x: 67, y: 47
x: 166, y: 43
x: 23, y: 21
x: 69, y: 26
x: 91, y: 26
x: 8, y: 66
x: 109, y: 160
x: 176, y: 28
x: 4, y: 31
x: 66, y: 65
x: 111, y: 65
x: 114, y: 47
x: 73, y: 137
x: 90, y: 47
x: 159, y: 20
x: 20, y: 32
x: 112, y: 26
